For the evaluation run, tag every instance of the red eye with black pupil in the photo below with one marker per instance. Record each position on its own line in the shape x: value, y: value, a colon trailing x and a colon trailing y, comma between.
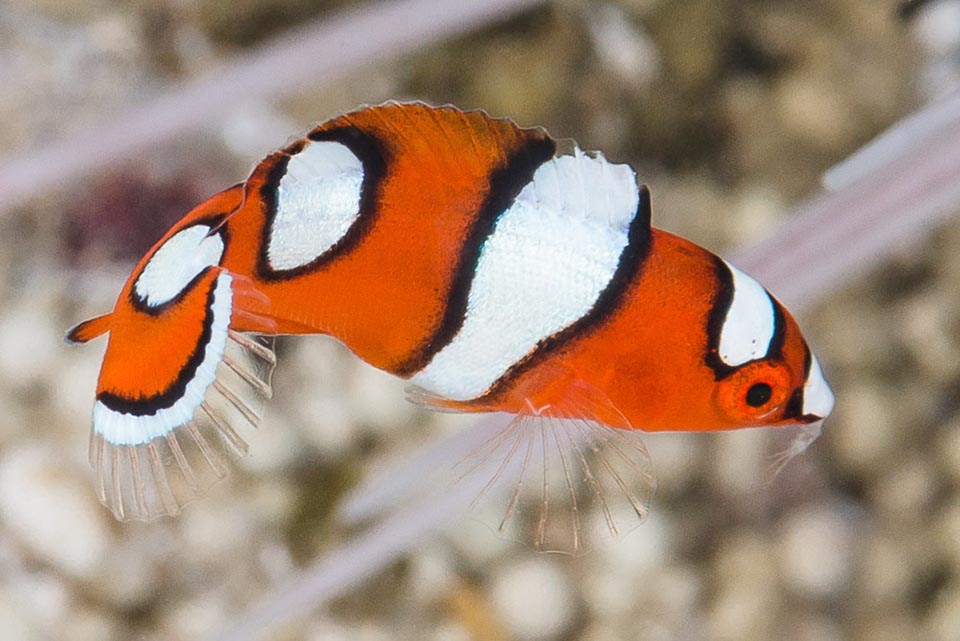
x: 758, y: 394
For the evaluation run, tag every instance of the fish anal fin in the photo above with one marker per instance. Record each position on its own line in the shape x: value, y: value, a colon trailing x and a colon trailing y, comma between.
x: 559, y: 480
x: 88, y: 329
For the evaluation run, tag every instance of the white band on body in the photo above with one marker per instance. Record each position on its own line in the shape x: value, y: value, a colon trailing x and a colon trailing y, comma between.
x: 550, y: 256
x: 750, y: 323
x: 318, y: 199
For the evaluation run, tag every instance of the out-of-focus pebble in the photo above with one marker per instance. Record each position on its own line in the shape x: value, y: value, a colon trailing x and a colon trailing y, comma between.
x: 943, y: 621
x: 534, y: 598
x: 865, y: 433
x: 887, y: 626
x: 924, y: 324
x: 947, y: 450
x: 676, y: 459
x: 330, y: 630
x: 475, y: 542
x: 197, y: 616
x: 41, y: 502
x: 378, y: 400
x: 43, y: 598
x: 629, y: 570
x: 812, y: 109
x: 747, y: 558
x: 92, y: 625
x: 276, y: 445
x: 818, y: 550
x: 431, y: 575
x: 947, y: 530
x: 739, y: 463
x: 128, y: 575
x: 907, y: 489
x: 13, y: 622
x: 742, y: 613
x: 216, y: 532
x: 622, y: 46
x: 938, y: 26
x: 29, y: 341
x: 450, y: 631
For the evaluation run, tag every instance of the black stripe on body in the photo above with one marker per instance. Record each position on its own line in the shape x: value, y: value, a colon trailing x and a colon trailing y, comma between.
x: 374, y: 160
x: 506, y: 183
x: 150, y: 405
x: 722, y: 301
x: 628, y: 271
x: 794, y: 407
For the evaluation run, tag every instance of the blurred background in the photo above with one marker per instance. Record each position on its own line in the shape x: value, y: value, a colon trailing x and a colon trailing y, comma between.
x: 111, y: 128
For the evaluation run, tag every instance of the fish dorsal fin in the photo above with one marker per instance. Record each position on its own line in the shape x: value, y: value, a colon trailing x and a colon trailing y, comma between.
x: 152, y: 451
x: 558, y: 479
x: 88, y: 329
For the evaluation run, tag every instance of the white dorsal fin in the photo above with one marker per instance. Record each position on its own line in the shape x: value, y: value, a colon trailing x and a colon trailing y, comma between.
x: 147, y: 480
x: 150, y: 465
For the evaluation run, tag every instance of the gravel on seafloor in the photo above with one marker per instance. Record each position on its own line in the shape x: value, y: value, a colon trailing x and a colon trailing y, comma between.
x: 730, y: 110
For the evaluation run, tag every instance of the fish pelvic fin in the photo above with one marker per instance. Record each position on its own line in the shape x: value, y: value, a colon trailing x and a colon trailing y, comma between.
x: 559, y: 480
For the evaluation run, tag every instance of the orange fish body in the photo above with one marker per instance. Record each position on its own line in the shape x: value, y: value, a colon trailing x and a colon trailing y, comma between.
x: 457, y: 251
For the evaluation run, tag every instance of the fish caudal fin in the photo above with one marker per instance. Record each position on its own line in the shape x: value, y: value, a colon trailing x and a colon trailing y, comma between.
x: 141, y: 481
x: 560, y: 483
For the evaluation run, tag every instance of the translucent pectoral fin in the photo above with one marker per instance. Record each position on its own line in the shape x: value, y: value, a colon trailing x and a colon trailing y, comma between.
x: 797, y: 439
x: 193, y: 445
x: 560, y: 483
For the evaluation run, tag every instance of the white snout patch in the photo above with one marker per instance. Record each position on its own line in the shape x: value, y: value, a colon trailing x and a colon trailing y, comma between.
x: 817, y: 396
x: 176, y: 263
x: 318, y: 199
x: 750, y: 322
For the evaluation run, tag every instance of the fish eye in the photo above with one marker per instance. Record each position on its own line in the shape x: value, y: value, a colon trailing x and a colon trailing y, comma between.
x: 759, y: 394
x: 754, y: 393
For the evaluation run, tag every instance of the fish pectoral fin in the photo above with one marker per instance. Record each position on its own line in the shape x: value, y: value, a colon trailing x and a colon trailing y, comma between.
x: 559, y: 481
x: 88, y: 329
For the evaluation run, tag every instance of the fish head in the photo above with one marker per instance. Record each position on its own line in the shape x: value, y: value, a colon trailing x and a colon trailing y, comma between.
x: 765, y: 372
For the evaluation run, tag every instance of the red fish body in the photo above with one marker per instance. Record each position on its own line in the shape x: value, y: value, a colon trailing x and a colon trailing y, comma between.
x: 457, y: 251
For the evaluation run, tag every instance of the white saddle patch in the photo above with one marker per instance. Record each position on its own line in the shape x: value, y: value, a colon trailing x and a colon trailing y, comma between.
x: 318, y: 199
x: 177, y: 262
x: 551, y: 255
x: 750, y: 324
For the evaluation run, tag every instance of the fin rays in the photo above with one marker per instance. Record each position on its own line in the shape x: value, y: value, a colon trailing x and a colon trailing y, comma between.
x: 141, y: 482
x: 560, y: 482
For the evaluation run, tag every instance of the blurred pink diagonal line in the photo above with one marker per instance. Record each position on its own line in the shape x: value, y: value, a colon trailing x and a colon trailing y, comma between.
x: 837, y: 235
x: 315, y: 54
x: 833, y: 237
x: 379, y: 546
